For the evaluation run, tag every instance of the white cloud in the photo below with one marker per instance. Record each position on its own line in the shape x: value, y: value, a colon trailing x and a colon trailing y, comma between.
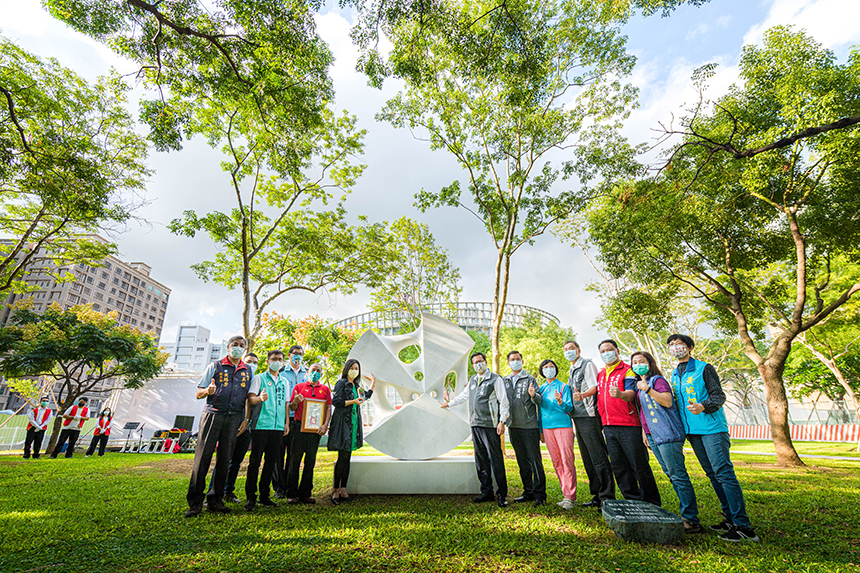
x: 834, y: 23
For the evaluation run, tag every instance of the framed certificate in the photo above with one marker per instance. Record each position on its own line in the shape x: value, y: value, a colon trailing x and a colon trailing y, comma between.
x: 313, y: 414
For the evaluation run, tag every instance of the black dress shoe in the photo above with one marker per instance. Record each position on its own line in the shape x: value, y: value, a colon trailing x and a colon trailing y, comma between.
x: 217, y: 507
x: 482, y: 498
x: 267, y: 502
x: 231, y: 498
x: 539, y: 502
x: 592, y: 503
x: 251, y: 505
x: 502, y: 501
x: 523, y: 498
x: 335, y: 499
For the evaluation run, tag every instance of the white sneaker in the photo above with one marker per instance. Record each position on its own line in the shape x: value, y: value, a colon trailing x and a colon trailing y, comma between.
x: 567, y: 504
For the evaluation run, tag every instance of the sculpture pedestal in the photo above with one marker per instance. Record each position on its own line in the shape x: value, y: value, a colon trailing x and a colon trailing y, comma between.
x: 453, y: 475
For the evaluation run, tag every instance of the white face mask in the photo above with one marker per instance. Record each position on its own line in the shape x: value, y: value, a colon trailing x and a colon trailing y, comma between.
x: 570, y: 355
x: 236, y: 352
x: 352, y: 374
x: 275, y: 365
x: 480, y: 367
x: 678, y: 350
x: 609, y: 357
x: 549, y: 372
x: 516, y: 365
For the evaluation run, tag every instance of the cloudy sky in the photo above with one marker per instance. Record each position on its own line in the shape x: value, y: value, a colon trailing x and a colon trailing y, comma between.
x: 667, y: 50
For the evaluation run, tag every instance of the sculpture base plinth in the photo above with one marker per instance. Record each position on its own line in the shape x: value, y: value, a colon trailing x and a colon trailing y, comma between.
x: 451, y: 475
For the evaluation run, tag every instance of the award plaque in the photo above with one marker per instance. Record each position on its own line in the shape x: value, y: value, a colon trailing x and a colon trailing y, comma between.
x: 313, y: 414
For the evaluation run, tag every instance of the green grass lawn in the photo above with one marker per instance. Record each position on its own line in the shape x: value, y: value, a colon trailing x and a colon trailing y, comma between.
x: 124, y: 512
x: 808, y: 448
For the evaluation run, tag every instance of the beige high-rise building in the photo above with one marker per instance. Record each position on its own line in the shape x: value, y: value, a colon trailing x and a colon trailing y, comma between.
x: 127, y: 288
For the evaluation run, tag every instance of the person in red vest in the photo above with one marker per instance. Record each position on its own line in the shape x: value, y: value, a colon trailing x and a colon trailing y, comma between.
x: 622, y: 428
x: 37, y: 423
x: 73, y: 421
x: 101, y: 433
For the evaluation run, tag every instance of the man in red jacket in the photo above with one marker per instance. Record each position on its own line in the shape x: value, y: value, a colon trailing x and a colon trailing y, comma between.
x: 616, y: 402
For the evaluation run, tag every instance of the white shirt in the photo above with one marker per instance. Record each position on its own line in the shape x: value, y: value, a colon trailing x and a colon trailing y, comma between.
x: 501, y: 395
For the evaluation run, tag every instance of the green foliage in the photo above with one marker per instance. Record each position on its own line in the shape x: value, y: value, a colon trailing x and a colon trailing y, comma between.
x: 482, y: 344
x: 322, y: 342
x: 254, y: 54
x: 423, y: 278
x: 70, y: 164
x: 535, y: 343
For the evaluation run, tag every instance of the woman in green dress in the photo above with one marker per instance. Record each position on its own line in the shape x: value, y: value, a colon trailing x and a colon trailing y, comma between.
x: 345, y: 431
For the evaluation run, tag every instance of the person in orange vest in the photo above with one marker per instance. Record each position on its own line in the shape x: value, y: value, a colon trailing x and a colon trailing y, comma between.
x: 101, y: 433
x: 73, y: 421
x: 37, y: 423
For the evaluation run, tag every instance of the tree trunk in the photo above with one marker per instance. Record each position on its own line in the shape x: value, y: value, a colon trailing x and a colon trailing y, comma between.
x: 777, y: 411
x: 58, y: 423
x: 500, y: 296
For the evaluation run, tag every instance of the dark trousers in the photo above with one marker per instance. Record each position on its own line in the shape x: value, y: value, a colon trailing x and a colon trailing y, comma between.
x: 488, y: 456
x: 592, y: 451
x: 265, y: 446
x: 305, y: 445
x: 34, y: 438
x: 216, y: 429
x: 102, y: 441
x: 72, y: 436
x: 282, y: 466
x: 629, y: 459
x: 240, y: 448
x: 526, y: 443
x: 341, y: 468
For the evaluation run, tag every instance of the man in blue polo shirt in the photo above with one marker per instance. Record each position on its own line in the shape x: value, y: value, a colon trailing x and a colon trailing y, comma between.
x: 226, y: 414
x: 269, y: 390
x: 296, y: 373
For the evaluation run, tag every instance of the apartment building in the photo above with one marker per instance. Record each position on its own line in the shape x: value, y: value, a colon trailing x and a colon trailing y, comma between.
x: 192, y: 349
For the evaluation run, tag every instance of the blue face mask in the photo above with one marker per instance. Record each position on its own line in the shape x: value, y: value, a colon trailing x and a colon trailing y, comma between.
x: 236, y: 352
x: 315, y: 376
x: 516, y: 365
x: 252, y: 367
x: 640, y: 369
x: 609, y: 357
x: 570, y: 355
x: 296, y: 358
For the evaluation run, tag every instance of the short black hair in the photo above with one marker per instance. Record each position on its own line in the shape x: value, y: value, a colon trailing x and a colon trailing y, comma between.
x: 273, y: 352
x: 609, y: 340
x: 688, y: 342
x: 295, y: 347
x: 513, y: 352
x: 481, y: 354
x: 653, y: 370
x: 84, y: 398
x: 252, y: 354
x: 544, y: 363
x: 566, y: 342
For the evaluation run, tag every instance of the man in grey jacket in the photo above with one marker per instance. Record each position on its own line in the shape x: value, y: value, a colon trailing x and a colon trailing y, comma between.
x: 525, y: 399
x: 589, y: 431
x: 488, y: 413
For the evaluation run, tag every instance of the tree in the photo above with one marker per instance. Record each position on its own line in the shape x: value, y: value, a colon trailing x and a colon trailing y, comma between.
x: 545, y: 85
x: 254, y: 53
x: 322, y: 342
x: 70, y: 164
x: 753, y: 237
x: 79, y: 348
x: 536, y: 342
x: 423, y: 280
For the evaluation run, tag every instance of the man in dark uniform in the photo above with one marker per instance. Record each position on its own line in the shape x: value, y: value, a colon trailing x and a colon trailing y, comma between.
x: 226, y: 414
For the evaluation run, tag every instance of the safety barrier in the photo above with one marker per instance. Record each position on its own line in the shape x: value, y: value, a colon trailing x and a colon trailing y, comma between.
x: 810, y: 432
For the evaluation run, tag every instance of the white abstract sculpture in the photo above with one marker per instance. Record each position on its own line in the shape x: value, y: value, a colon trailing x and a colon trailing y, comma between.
x: 420, y: 429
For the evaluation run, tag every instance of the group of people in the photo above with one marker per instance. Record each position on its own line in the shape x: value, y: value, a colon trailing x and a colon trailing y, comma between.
x: 616, y: 414
x: 264, y: 411
x: 74, y: 419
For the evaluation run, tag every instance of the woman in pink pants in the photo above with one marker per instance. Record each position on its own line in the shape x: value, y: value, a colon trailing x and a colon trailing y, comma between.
x: 557, y: 430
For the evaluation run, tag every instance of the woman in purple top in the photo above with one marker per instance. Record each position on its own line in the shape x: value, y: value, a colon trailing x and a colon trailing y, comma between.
x: 664, y: 432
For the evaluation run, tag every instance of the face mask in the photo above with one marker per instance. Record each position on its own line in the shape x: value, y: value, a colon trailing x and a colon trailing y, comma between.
x: 252, y: 366
x: 678, y: 350
x: 296, y: 358
x: 570, y: 355
x: 480, y: 367
x: 516, y: 365
x: 609, y: 357
x: 81, y: 404
x: 106, y: 414
x: 236, y: 352
x: 44, y: 403
x: 275, y: 365
x: 352, y: 374
x: 549, y: 372
x: 640, y: 369
x: 315, y: 376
